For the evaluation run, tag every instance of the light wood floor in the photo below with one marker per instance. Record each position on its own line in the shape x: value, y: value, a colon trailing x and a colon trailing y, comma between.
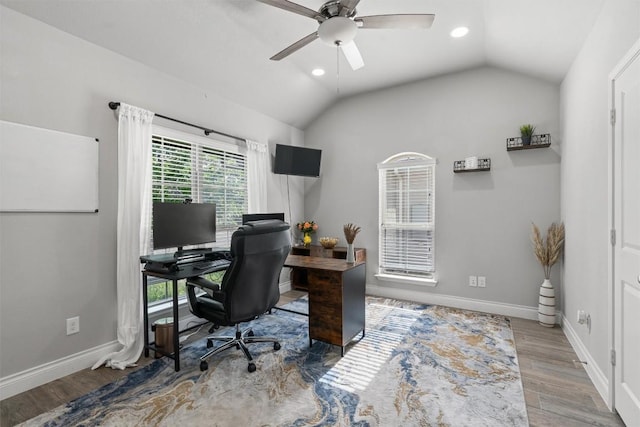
x: 557, y: 390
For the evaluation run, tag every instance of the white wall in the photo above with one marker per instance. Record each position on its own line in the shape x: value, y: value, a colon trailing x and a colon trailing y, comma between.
x: 54, y: 265
x: 585, y: 129
x: 483, y: 219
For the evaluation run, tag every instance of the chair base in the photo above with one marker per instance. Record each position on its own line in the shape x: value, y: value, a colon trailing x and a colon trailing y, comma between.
x: 240, y: 341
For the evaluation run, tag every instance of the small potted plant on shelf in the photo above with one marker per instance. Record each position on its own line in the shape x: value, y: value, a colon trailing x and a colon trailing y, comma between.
x: 526, y: 132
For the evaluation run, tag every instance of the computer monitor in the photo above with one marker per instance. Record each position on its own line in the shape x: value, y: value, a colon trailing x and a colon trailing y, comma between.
x: 260, y: 216
x: 176, y: 225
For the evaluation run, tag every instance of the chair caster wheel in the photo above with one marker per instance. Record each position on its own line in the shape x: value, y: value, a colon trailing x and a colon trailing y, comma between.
x: 209, y: 343
x: 250, y: 333
x: 204, y: 366
x: 237, y: 346
x: 251, y: 367
x: 276, y: 346
x: 213, y: 328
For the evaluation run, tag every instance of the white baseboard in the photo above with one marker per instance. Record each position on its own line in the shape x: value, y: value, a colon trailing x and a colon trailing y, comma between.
x: 503, y: 309
x: 285, y: 286
x: 39, y: 375
x: 598, y: 378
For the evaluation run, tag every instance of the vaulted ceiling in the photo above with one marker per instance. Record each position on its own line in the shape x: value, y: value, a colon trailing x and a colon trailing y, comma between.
x: 225, y: 45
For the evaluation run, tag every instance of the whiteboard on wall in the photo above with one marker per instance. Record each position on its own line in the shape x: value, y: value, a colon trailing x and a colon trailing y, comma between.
x: 44, y: 170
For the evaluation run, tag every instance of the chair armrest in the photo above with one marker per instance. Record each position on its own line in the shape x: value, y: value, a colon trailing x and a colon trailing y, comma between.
x: 203, y: 283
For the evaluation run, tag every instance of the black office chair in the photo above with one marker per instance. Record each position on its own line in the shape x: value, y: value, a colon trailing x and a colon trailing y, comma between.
x: 249, y: 288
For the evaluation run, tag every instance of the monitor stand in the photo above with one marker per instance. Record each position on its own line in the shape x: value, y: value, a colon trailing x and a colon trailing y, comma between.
x: 190, y: 253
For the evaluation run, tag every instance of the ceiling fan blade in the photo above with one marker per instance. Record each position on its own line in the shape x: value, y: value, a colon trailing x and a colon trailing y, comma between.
x: 294, y: 47
x: 351, y: 52
x: 348, y: 6
x: 399, y: 21
x: 295, y: 8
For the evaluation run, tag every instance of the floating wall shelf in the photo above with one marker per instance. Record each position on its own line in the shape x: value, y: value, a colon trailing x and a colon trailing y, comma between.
x: 483, y: 165
x: 537, y: 141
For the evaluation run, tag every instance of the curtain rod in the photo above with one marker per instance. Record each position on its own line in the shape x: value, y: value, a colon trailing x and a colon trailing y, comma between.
x: 114, y: 105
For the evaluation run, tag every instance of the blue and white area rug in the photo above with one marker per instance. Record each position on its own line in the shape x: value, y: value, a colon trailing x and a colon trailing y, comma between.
x: 417, y: 365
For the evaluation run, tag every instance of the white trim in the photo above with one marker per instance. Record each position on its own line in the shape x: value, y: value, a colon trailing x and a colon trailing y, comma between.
x: 285, y: 286
x: 598, y: 378
x: 613, y: 76
x: 503, y: 309
x: 424, y: 281
x: 407, y: 159
x: 39, y: 375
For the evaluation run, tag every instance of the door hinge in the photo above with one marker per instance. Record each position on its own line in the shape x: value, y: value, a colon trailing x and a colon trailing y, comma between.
x: 613, y: 117
x: 613, y: 357
x: 613, y: 237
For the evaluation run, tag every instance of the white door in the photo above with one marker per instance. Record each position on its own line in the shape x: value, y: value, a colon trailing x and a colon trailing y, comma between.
x: 626, y: 216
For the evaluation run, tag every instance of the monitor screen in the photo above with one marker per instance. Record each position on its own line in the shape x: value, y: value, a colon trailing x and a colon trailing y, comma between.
x: 291, y: 160
x: 260, y: 216
x: 176, y: 225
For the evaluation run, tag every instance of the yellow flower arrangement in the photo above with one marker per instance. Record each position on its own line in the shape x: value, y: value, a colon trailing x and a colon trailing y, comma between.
x: 307, y: 227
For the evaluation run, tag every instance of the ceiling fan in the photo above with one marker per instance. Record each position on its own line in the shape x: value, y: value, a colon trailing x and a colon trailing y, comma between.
x: 339, y: 24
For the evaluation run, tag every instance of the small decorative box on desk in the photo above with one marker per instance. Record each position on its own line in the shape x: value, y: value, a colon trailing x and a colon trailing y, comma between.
x: 299, y: 276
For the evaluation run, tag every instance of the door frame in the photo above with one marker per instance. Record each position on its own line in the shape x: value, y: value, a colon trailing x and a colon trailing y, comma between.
x: 622, y: 65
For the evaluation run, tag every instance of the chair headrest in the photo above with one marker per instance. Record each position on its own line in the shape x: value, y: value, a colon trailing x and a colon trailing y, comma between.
x: 262, y: 227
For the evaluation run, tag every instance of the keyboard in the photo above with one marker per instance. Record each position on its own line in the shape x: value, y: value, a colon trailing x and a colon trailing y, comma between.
x: 211, y: 264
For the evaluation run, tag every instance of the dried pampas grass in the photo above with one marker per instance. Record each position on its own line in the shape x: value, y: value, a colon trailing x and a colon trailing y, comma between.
x: 548, y: 250
x: 350, y: 232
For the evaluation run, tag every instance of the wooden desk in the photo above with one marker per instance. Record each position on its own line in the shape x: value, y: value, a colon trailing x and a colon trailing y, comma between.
x: 299, y: 275
x: 336, y: 298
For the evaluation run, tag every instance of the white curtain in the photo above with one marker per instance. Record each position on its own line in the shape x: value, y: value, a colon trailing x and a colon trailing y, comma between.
x: 257, y: 174
x: 133, y: 240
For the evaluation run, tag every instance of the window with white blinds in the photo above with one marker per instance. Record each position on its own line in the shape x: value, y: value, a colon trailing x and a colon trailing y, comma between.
x: 204, y: 171
x: 407, y: 221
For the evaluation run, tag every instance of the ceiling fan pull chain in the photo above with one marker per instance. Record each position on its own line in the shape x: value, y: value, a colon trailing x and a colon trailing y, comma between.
x: 338, y: 68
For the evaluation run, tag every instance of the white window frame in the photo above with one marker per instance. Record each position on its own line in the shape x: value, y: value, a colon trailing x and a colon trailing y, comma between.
x: 223, y: 235
x: 402, y: 271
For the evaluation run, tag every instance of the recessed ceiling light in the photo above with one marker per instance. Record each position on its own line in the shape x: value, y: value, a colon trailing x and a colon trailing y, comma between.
x: 318, y: 72
x: 459, y: 32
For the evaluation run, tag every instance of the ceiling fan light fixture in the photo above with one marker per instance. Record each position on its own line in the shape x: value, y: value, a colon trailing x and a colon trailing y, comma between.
x: 337, y: 30
x: 459, y: 32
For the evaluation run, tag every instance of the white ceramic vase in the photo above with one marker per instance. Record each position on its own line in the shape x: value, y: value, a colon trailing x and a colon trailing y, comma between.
x: 351, y: 256
x: 547, y: 305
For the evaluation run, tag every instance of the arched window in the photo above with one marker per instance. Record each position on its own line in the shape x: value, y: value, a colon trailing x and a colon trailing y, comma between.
x: 407, y: 215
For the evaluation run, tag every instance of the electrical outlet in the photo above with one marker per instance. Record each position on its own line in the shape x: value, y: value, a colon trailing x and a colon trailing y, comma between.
x: 73, y: 325
x: 482, y: 282
x: 473, y: 281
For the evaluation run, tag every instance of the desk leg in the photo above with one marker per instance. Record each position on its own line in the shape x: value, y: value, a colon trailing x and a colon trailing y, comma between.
x: 145, y: 315
x: 176, y: 327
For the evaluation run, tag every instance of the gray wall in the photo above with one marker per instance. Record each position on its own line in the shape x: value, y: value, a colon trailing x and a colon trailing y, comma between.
x: 54, y: 266
x: 483, y: 219
x: 585, y: 128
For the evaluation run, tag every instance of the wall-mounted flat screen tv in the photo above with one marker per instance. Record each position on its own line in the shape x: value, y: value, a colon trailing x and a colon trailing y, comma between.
x: 176, y: 225
x: 301, y: 161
